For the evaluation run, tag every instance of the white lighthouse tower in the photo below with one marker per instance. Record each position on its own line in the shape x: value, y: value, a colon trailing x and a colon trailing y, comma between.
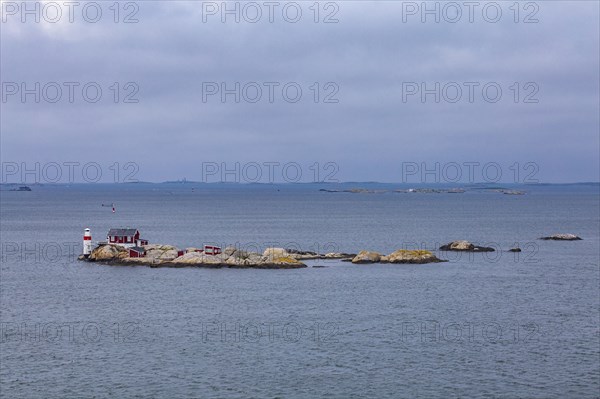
x: 87, y: 242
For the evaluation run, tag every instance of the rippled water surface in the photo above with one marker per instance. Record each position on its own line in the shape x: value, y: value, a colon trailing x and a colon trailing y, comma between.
x: 486, y: 325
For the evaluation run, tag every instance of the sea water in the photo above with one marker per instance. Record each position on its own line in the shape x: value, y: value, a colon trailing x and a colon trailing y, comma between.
x: 499, y: 324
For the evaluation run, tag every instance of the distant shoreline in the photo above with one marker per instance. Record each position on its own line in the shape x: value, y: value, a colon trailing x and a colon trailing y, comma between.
x: 408, y: 184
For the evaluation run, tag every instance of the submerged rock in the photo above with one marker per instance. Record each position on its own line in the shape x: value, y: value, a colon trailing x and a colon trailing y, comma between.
x: 464, y: 246
x: 562, y: 237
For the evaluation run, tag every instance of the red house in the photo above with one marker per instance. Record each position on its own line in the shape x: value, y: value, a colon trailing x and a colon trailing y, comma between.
x: 137, y: 252
x: 125, y: 237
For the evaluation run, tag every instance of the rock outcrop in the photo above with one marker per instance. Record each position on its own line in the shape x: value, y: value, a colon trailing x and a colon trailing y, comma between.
x: 276, y: 258
x: 159, y: 247
x: 108, y: 252
x: 465, y: 246
x: 197, y: 258
x: 562, y: 237
x: 399, y: 256
x: 298, y: 254
x: 367, y: 257
x: 272, y: 253
x: 337, y: 255
x: 167, y: 256
x: 279, y: 257
x: 412, y: 256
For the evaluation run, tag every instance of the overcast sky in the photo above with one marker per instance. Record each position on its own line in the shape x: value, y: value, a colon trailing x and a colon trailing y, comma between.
x: 370, y: 117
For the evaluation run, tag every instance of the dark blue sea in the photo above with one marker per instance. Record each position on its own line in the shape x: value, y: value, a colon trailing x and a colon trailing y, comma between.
x: 487, y: 325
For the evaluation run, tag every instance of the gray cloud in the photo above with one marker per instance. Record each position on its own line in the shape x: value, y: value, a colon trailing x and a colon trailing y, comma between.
x: 170, y: 52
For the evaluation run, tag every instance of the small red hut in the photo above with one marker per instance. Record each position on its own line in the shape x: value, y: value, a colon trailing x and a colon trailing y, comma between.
x: 137, y: 252
x: 212, y: 250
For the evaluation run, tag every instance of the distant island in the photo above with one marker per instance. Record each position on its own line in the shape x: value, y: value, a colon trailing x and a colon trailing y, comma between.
x: 124, y: 247
x: 159, y: 255
x: 21, y: 188
x: 422, y: 191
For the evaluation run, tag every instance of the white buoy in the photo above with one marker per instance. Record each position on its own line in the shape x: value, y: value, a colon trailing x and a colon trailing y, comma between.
x: 87, y: 242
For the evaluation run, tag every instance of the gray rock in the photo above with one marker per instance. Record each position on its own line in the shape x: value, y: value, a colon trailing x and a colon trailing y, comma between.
x: 253, y: 259
x: 339, y: 255
x: 562, y: 237
x: 275, y: 253
x: 367, y: 257
x: 464, y: 246
x: 108, y: 252
x: 412, y: 256
x: 196, y: 258
x: 167, y: 255
x: 302, y: 253
x: 229, y: 251
x: 279, y: 257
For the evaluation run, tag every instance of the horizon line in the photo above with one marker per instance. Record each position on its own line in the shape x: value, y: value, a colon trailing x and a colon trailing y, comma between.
x: 292, y: 183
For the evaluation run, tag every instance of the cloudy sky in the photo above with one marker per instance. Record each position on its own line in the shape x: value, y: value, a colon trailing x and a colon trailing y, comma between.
x: 383, y: 84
